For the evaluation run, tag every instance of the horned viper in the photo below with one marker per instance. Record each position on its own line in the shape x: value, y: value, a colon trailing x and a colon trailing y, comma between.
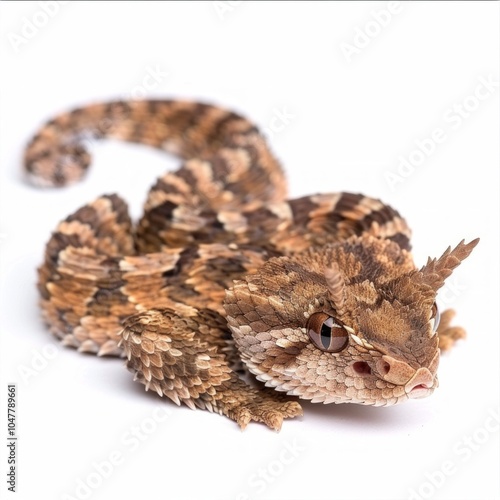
x: 318, y: 297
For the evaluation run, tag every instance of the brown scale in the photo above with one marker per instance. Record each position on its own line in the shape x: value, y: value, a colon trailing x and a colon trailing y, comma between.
x: 318, y: 297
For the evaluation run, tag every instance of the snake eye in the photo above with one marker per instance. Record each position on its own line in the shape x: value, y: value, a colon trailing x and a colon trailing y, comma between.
x: 326, y: 333
x: 434, y: 318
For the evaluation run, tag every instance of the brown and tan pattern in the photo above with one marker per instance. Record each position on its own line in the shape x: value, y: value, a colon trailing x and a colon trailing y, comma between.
x: 318, y: 297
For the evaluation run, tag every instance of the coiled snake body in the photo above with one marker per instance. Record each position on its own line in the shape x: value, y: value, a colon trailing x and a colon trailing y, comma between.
x: 318, y: 297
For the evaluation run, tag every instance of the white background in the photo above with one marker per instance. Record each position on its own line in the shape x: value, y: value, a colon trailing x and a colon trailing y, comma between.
x: 352, y: 120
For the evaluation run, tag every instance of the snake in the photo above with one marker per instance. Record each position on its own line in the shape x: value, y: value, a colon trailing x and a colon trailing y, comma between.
x: 226, y: 295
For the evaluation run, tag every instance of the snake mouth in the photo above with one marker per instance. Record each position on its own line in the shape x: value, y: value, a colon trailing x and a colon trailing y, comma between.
x: 421, y: 385
x: 420, y: 391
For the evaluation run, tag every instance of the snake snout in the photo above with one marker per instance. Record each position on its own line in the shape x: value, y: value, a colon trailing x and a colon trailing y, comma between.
x: 393, y: 370
x: 421, y: 384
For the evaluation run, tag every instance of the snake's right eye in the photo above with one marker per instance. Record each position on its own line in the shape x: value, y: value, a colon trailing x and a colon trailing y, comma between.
x: 326, y: 333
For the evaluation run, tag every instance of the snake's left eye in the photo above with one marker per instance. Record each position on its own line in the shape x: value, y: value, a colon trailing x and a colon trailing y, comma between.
x: 434, y: 318
x: 326, y: 333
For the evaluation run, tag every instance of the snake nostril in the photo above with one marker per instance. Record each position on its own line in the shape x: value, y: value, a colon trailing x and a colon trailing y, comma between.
x: 362, y: 368
x: 385, y: 368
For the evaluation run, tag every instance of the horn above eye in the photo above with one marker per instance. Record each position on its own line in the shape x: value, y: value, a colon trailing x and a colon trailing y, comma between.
x: 326, y: 333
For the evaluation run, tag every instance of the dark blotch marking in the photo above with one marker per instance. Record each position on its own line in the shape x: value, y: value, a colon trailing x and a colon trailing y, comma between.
x: 402, y: 240
x: 85, y: 215
x: 301, y: 208
x: 187, y: 256
x: 163, y: 211
x: 187, y: 176
x: 120, y: 208
x: 348, y: 201
x: 219, y: 132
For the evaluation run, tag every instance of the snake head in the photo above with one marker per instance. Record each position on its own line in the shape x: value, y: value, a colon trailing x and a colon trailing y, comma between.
x: 350, y: 322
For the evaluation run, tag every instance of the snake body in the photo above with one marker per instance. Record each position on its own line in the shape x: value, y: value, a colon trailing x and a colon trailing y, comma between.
x: 318, y: 297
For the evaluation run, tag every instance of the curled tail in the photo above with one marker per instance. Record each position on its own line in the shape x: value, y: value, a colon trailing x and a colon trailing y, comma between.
x: 223, y: 148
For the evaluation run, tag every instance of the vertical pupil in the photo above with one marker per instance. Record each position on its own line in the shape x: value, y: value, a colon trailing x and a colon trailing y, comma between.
x: 325, y: 335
